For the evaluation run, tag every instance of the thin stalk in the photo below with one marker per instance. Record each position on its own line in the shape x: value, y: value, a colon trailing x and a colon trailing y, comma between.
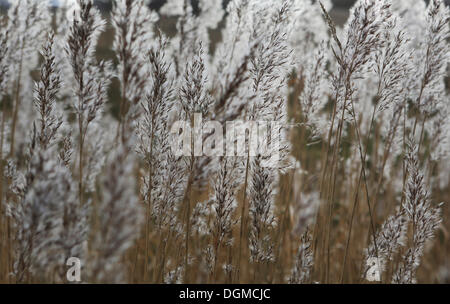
x: 363, y: 160
x: 243, y: 217
x: 16, y: 104
x: 187, y: 200
x: 332, y: 185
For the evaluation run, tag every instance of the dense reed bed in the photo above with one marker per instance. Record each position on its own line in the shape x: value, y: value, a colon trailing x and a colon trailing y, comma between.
x: 97, y: 107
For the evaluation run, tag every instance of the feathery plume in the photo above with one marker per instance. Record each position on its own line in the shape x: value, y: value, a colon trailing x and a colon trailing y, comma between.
x: 424, y: 218
x: 38, y: 218
x: 162, y: 181
x: 389, y: 239
x: 91, y: 79
x: 120, y: 216
x: 133, y: 23
x: 262, y: 220
x: 46, y: 90
x: 27, y: 24
x: 304, y: 261
x: 4, y: 64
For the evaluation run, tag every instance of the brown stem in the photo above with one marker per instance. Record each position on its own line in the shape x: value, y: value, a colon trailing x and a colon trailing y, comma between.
x: 16, y: 105
x: 243, y: 217
x: 355, y: 202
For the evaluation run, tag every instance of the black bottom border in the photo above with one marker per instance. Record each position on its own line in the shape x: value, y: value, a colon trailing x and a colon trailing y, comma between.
x: 229, y: 294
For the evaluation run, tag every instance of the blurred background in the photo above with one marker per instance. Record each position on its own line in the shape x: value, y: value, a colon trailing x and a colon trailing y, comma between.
x: 168, y: 26
x: 339, y: 14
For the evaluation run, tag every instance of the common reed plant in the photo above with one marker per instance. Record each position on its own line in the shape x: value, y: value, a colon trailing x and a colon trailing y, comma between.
x: 261, y: 142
